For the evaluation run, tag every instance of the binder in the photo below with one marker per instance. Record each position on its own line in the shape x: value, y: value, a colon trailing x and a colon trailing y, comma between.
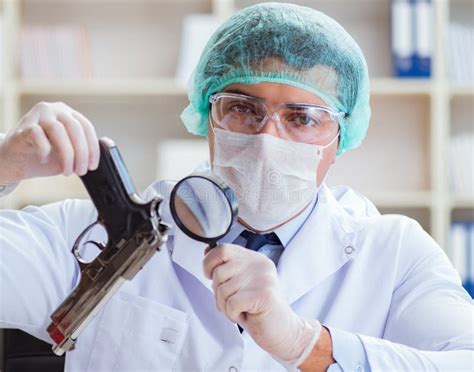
x: 469, y: 280
x: 462, y: 252
x: 423, y: 10
x: 403, y: 47
x: 412, y: 38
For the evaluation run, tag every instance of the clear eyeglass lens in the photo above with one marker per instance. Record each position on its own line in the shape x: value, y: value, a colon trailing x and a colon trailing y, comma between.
x: 300, y: 123
x: 239, y: 115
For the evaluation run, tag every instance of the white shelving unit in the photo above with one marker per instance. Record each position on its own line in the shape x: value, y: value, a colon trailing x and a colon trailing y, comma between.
x: 135, y: 99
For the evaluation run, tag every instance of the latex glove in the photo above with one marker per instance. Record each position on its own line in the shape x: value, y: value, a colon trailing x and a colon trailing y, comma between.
x: 247, y: 291
x: 50, y: 139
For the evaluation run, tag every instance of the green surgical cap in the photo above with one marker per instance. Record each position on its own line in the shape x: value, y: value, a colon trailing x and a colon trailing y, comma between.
x: 288, y: 44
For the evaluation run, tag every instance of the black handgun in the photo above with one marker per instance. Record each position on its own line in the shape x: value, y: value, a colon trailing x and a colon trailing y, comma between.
x: 135, y: 232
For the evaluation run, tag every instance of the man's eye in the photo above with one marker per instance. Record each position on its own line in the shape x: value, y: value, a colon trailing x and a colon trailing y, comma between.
x: 241, y: 108
x: 302, y: 119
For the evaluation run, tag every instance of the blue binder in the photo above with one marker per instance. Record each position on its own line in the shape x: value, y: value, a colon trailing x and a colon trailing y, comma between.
x: 461, y: 247
x: 423, y: 12
x: 412, y: 38
x: 468, y: 281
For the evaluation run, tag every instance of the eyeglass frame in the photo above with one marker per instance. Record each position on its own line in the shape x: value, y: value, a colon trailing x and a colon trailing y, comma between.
x: 273, y: 108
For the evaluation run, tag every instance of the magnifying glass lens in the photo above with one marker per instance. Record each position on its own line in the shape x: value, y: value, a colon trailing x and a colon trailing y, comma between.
x: 203, y: 207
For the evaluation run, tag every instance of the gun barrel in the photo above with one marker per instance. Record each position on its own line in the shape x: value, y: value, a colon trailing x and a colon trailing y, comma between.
x: 93, y: 292
x: 65, y: 341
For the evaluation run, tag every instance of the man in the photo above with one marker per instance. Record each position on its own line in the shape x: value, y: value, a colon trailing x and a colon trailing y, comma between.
x: 310, y: 278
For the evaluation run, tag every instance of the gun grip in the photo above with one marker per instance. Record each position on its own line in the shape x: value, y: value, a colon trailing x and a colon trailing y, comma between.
x: 111, y: 190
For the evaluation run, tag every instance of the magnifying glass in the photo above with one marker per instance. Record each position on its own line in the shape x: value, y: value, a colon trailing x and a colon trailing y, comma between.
x: 203, y: 207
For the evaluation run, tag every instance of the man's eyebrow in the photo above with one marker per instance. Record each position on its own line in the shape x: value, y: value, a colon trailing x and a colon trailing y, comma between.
x: 238, y: 91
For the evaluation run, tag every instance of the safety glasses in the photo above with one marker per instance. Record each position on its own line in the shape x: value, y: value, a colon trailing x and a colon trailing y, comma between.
x: 299, y: 122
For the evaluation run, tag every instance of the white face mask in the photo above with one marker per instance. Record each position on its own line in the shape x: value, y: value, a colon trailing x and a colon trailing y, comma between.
x: 273, y: 179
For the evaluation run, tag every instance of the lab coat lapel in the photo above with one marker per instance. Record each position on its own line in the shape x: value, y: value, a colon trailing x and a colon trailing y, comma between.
x: 318, y: 249
x: 189, y: 253
x: 185, y: 252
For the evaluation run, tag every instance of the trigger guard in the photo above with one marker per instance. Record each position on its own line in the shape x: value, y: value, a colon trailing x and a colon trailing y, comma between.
x: 75, y: 247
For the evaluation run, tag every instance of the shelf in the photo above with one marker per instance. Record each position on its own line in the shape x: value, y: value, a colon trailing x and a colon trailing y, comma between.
x: 462, y: 202
x: 414, y: 199
x: 37, y: 191
x: 392, y: 86
x: 458, y: 90
x: 158, y: 87
x: 133, y: 87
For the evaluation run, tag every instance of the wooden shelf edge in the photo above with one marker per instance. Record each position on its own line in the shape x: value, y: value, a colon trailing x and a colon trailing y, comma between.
x: 464, y: 90
x: 415, y: 199
x: 394, y: 86
x: 170, y: 86
x: 132, y: 87
x: 458, y: 202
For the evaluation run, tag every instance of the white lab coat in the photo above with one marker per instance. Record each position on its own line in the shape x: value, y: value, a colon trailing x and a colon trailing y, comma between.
x: 381, y: 277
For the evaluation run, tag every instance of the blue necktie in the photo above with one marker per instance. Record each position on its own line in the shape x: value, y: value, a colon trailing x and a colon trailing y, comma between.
x: 256, y: 241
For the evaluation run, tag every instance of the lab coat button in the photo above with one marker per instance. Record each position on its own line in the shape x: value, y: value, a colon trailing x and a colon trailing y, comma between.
x: 233, y: 369
x: 349, y: 249
x: 359, y: 368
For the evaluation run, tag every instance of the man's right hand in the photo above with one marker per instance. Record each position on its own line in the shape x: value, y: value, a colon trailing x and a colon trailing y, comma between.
x: 50, y: 139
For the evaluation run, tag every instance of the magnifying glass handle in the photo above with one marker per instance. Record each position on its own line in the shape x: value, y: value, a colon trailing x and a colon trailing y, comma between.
x: 209, y: 247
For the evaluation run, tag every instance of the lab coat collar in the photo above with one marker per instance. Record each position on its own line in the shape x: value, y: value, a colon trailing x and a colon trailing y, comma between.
x: 287, y: 231
x: 186, y: 252
x: 189, y: 253
x: 324, y: 243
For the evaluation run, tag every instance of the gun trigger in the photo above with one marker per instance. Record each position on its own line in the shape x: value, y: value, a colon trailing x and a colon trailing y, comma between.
x: 100, y: 245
